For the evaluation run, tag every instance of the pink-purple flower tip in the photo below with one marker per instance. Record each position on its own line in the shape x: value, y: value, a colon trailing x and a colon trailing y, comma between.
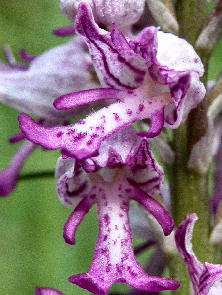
x: 47, y: 291
x: 8, y: 182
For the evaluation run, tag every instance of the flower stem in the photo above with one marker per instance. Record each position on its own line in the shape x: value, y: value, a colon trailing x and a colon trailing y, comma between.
x: 189, y: 195
x: 189, y: 188
x: 191, y: 15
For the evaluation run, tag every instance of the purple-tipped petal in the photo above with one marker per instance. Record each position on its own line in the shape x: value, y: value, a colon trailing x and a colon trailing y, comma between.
x: 76, y: 99
x: 114, y: 259
x: 9, y: 176
x: 47, y: 291
x: 205, y: 277
x: 155, y: 209
x: 84, y: 138
x: 183, y: 238
x: 76, y: 218
x: 13, y: 66
x: 64, y: 32
x: 25, y: 56
x: 16, y: 138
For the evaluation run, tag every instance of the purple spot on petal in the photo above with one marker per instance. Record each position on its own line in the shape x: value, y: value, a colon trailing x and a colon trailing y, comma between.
x: 138, y: 79
x: 80, y: 136
x: 92, y: 197
x: 89, y: 142
x: 82, y: 122
x: 71, y: 131
x: 121, y: 215
x: 103, y: 117
x: 105, y: 238
x: 116, y: 116
x: 94, y: 136
x: 106, y: 219
x: 59, y: 134
x: 141, y: 107
x: 129, y: 112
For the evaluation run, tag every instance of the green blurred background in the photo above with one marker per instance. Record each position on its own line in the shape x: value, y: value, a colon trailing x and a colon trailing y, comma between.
x: 32, y: 250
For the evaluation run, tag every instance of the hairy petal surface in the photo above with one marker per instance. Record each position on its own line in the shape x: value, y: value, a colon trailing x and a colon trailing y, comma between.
x: 60, y: 70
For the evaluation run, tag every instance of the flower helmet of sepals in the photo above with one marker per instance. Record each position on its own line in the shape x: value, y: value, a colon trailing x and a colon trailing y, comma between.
x: 124, y: 13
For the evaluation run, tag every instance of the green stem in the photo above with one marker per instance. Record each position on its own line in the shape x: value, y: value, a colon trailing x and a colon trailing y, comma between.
x: 41, y: 174
x: 191, y: 15
x: 190, y: 189
x: 189, y: 195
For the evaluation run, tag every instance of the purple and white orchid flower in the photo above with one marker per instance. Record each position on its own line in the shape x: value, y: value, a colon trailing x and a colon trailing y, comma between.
x: 60, y: 70
x: 204, y: 277
x: 124, y: 13
x: 154, y: 76
x: 125, y: 170
x: 47, y: 291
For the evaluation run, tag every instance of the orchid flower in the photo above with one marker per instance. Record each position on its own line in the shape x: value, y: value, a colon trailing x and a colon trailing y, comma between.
x: 204, y: 277
x: 33, y: 90
x: 154, y: 76
x: 125, y: 170
x: 124, y: 13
